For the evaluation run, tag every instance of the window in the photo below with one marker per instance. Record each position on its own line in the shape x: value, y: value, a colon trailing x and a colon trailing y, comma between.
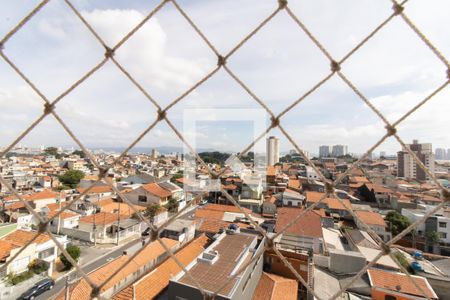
x: 142, y: 198
x: 389, y: 297
x: 443, y: 235
x: 46, y: 253
x: 442, y: 225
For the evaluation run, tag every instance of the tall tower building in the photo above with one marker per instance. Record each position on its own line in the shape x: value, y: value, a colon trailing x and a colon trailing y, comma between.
x: 339, y: 150
x: 273, y: 150
x: 324, y: 151
x: 408, y: 168
x: 440, y: 153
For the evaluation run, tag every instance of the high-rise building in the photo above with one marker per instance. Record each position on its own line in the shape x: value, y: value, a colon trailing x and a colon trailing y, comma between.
x: 154, y: 154
x: 273, y: 150
x: 339, y: 150
x: 408, y: 168
x: 324, y: 151
x: 440, y: 153
x: 382, y: 154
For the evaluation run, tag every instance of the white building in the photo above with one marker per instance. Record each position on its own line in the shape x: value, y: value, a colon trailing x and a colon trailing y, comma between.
x: 273, y: 150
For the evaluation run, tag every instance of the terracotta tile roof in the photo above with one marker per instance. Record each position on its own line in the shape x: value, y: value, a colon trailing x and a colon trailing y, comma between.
x: 271, y: 171
x: 21, y: 237
x: 15, y: 205
x: 377, y: 188
x: 313, y: 196
x: 110, y: 206
x: 64, y: 215
x: 233, y: 179
x: 155, y: 189
x: 274, y: 287
x: 82, y: 289
x: 98, y: 189
x: 371, y: 218
x: 336, y: 204
x: 393, y: 280
x: 308, y: 225
x: 211, y: 225
x: 45, y: 194
x: 294, y: 183
x: 5, y: 249
x: 104, y: 218
x: 209, y: 214
x: 225, y: 208
x: 359, y: 179
x: 229, y: 187
x: 154, y: 283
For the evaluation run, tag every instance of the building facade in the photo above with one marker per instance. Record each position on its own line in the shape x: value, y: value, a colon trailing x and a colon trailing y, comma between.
x: 273, y: 150
x: 408, y: 168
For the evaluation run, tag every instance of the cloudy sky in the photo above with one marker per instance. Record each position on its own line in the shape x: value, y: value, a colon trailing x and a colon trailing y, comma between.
x: 395, y: 70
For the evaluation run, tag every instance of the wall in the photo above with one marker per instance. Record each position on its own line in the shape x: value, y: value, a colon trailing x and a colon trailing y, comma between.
x: 299, y: 262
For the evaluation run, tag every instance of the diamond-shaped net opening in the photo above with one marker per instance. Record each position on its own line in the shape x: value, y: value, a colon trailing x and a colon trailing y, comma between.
x: 336, y: 70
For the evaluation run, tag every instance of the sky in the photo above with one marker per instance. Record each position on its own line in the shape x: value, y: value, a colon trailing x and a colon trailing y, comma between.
x: 394, y: 70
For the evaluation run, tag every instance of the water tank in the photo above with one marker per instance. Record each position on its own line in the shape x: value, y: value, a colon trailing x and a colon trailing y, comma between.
x: 418, y: 255
x: 416, y: 266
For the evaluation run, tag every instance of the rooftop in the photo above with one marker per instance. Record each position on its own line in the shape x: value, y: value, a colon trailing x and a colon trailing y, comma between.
x: 230, y: 252
x: 308, y: 225
x: 274, y: 287
x: 371, y: 218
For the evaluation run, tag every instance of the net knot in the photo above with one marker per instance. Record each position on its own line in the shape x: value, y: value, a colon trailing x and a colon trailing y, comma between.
x: 446, y: 195
x: 42, y: 227
x: 102, y: 172
x: 161, y: 114
x: 385, y: 248
x: 221, y: 60
x: 109, y: 52
x: 398, y: 9
x: 275, y: 121
x: 282, y: 4
x: 154, y: 233
x: 448, y: 71
x: 391, y: 130
x: 48, y: 108
x: 329, y: 188
x: 269, y: 243
x: 335, y: 67
x: 2, y: 47
x: 95, y: 292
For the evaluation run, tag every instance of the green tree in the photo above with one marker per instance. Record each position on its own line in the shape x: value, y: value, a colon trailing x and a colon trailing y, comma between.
x: 176, y: 176
x: 74, y: 252
x: 397, y: 222
x: 433, y: 237
x: 52, y: 151
x: 79, y: 153
x: 172, y: 205
x: 151, y: 211
x: 71, y: 178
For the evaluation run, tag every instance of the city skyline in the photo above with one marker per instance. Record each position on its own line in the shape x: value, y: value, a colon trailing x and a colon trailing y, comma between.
x: 331, y: 115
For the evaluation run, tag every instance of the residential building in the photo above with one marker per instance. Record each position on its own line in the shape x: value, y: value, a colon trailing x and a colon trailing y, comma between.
x: 221, y: 260
x: 273, y: 150
x: 324, y: 151
x: 408, y: 168
x: 305, y: 233
x: 274, y: 287
x: 42, y: 248
x: 154, y: 193
x: 374, y: 221
x: 339, y: 150
x: 153, y: 284
x: 395, y: 285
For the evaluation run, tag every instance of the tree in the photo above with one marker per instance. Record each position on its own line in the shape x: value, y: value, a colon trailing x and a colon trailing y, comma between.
x: 74, y: 252
x: 433, y: 237
x: 176, y: 176
x: 52, y: 151
x: 172, y: 205
x: 71, y: 178
x: 397, y: 222
x: 79, y: 153
x: 152, y: 210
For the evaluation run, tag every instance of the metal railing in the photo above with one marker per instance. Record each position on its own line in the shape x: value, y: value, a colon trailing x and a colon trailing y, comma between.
x: 336, y: 69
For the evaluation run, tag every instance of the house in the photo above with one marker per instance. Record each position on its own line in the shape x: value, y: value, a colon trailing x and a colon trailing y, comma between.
x: 274, y: 287
x: 122, y: 208
x: 42, y: 248
x: 305, y: 233
x: 153, y: 254
x: 97, y: 192
x: 220, y: 261
x: 338, y: 207
x: 269, y: 206
x: 292, y: 198
x: 106, y: 227
x: 395, y: 285
x: 180, y: 230
x: 375, y: 193
x: 66, y: 219
x: 375, y: 222
x: 154, y: 283
x: 154, y: 193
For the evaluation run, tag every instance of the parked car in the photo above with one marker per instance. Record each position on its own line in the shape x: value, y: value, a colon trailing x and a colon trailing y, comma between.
x: 37, y: 289
x: 146, y: 232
